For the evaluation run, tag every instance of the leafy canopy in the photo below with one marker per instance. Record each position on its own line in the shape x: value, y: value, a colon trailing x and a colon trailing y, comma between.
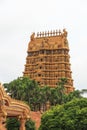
x: 69, y: 116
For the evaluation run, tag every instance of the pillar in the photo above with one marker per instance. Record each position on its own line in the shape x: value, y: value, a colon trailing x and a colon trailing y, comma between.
x: 2, y: 121
x: 3, y: 115
x: 22, y: 123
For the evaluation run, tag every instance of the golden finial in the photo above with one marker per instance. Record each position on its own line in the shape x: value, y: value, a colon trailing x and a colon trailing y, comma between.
x: 42, y: 34
x: 56, y: 32
x: 45, y: 33
x: 59, y: 32
x: 48, y: 33
x: 38, y: 34
x: 51, y: 33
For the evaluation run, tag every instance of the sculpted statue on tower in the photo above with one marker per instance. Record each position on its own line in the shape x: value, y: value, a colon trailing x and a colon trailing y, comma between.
x: 65, y: 41
x: 65, y: 33
x: 32, y: 36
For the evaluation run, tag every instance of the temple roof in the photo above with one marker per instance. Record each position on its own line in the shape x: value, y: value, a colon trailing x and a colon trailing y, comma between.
x: 48, y: 40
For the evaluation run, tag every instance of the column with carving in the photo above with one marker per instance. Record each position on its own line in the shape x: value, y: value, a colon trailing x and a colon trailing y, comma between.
x: 22, y: 123
x: 3, y: 115
x: 23, y: 118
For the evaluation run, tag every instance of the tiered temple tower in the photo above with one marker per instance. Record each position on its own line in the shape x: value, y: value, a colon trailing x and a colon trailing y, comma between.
x: 48, y: 59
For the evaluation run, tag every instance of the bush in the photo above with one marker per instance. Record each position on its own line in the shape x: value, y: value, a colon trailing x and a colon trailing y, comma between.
x: 70, y: 116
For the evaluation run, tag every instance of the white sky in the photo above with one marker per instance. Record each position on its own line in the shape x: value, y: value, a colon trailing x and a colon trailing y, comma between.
x: 19, y: 18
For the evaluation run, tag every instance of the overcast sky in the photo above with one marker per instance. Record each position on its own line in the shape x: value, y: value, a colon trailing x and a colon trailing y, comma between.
x: 19, y: 18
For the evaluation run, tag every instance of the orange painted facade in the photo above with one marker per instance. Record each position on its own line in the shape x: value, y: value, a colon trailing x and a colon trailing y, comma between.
x: 48, y: 59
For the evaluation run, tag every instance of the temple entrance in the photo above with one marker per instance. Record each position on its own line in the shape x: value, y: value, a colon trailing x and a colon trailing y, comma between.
x: 12, y: 108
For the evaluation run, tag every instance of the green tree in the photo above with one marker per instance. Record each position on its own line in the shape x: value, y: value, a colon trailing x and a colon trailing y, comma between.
x: 61, y: 91
x: 46, y: 93
x: 72, y: 95
x: 28, y: 90
x: 22, y: 88
x: 53, y: 97
x: 69, y: 116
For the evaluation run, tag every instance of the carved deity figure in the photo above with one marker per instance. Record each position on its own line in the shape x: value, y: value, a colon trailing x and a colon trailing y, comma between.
x: 65, y: 41
x: 64, y: 33
x: 32, y: 36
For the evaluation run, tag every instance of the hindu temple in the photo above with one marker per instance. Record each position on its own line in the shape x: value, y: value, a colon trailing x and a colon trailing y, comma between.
x: 48, y: 59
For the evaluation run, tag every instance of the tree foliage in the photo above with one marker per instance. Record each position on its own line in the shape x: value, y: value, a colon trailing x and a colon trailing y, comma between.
x: 69, y: 116
x: 22, y: 88
x: 30, y: 92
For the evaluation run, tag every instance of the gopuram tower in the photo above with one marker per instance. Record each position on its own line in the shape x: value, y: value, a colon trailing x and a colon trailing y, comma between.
x: 48, y: 59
